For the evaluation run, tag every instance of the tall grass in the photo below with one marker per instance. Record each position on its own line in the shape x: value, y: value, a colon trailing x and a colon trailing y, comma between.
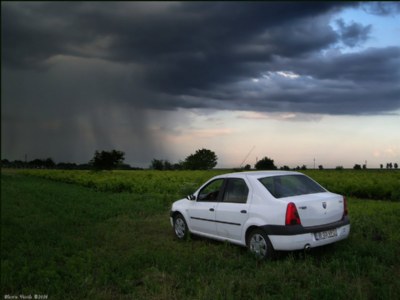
x: 370, y: 184
x: 70, y: 242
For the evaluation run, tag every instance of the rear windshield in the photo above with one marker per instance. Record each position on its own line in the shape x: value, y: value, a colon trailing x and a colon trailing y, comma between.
x: 290, y: 185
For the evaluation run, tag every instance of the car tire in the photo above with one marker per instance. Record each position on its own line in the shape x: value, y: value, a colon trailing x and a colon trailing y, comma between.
x: 180, y: 227
x: 259, y: 244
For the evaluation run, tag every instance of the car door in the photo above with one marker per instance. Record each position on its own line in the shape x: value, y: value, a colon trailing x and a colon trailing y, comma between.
x: 202, y: 212
x: 232, y: 210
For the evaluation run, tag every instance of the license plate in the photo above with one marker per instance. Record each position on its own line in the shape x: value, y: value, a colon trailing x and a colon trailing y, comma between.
x: 325, y: 234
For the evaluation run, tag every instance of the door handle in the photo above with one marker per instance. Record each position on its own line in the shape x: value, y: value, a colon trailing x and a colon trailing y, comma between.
x: 211, y: 209
x: 243, y: 211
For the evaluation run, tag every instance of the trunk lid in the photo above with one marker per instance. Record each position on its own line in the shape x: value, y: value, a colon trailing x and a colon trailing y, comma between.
x: 318, y: 209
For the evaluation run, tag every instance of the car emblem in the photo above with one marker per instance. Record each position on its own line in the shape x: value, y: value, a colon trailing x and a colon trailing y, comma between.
x: 324, y: 205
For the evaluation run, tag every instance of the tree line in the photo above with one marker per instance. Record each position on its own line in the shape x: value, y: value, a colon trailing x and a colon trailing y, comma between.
x: 102, y: 160
x: 202, y: 159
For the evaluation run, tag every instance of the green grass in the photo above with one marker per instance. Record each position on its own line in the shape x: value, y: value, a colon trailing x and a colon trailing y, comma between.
x: 370, y: 184
x: 72, y: 242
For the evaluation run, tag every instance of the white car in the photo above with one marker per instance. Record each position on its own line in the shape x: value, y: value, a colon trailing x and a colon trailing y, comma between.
x: 265, y: 211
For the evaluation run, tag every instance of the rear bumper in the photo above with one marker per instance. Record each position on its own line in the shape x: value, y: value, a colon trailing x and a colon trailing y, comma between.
x: 299, y: 229
x: 296, y: 237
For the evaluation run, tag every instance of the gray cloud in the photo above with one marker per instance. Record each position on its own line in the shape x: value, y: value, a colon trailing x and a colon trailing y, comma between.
x: 69, y: 61
x: 381, y: 8
x: 129, y: 32
x: 353, y: 34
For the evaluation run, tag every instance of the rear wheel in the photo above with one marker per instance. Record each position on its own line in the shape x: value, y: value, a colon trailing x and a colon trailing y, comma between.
x: 260, y: 245
x: 180, y: 227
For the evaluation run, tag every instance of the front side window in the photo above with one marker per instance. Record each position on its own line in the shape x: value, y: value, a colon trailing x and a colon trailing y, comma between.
x: 211, y: 191
x: 236, y: 191
x: 290, y: 185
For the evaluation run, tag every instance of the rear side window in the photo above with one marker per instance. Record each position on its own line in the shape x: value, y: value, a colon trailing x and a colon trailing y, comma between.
x: 290, y: 185
x: 236, y: 191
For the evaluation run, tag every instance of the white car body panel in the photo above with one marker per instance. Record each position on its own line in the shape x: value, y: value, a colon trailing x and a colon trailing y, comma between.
x: 318, y: 209
x: 231, y: 217
x: 226, y: 221
x: 198, y: 212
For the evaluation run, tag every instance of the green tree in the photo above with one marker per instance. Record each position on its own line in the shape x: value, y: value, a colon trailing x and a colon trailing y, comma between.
x: 178, y: 166
x: 265, y: 164
x: 107, y: 160
x: 157, y: 164
x: 168, y: 165
x: 203, y: 159
x: 42, y: 163
x: 49, y: 163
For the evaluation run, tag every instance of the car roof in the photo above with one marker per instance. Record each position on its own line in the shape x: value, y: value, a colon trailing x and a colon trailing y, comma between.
x: 260, y: 174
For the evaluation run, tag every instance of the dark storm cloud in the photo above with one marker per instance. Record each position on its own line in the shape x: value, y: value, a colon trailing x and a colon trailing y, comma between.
x: 180, y: 46
x: 353, y: 34
x: 139, y: 31
x: 68, y: 61
x: 178, y: 53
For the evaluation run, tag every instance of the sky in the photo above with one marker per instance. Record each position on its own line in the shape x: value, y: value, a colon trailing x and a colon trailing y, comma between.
x: 301, y: 83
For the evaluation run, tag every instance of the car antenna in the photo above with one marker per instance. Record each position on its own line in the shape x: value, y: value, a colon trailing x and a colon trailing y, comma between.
x: 244, y: 160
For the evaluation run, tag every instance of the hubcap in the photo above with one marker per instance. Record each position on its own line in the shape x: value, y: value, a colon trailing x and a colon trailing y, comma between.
x: 258, y: 245
x: 180, y: 228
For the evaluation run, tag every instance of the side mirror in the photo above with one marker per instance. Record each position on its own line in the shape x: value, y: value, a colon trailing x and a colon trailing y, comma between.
x: 191, y: 197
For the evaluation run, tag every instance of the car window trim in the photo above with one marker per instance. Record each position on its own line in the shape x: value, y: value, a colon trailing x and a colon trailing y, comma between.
x: 221, y: 189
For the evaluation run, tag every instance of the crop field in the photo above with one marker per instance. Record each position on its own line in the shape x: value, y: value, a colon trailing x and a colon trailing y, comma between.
x: 106, y: 235
x: 370, y: 184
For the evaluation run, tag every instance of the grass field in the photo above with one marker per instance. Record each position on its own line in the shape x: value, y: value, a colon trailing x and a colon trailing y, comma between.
x: 369, y: 184
x: 68, y: 241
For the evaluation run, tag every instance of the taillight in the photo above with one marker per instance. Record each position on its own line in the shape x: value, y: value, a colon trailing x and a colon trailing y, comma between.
x: 292, y: 216
x: 345, y: 210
